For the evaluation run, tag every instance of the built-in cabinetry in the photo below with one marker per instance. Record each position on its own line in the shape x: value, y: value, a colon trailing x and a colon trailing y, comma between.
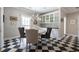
x: 50, y: 19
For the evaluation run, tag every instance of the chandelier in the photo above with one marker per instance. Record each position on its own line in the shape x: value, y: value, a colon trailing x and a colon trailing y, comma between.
x: 35, y: 18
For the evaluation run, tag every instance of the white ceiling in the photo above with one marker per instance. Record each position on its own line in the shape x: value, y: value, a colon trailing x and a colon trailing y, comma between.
x: 42, y: 9
x: 24, y: 10
x: 38, y: 10
x: 68, y: 10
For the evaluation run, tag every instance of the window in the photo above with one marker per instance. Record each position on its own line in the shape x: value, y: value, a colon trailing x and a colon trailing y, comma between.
x: 43, y: 20
x: 47, y: 19
x: 51, y: 18
x: 26, y: 21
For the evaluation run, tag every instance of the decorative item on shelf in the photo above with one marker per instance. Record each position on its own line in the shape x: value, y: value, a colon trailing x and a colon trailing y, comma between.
x: 13, y: 19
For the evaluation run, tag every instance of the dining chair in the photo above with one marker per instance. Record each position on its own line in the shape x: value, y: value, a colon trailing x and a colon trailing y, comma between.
x: 47, y: 34
x: 31, y: 36
x: 22, y: 34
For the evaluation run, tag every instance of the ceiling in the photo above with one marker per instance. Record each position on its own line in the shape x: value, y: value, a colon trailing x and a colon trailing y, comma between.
x: 42, y: 9
x: 68, y: 10
x: 39, y: 10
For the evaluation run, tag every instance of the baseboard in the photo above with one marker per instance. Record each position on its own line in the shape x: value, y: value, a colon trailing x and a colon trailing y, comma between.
x: 1, y: 45
x: 9, y: 38
x: 72, y: 35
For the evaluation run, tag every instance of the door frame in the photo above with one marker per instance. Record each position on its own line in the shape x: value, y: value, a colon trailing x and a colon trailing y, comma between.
x: 77, y: 25
x: 2, y: 29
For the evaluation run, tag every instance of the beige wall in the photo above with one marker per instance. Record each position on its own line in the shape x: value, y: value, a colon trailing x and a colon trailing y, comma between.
x: 72, y: 27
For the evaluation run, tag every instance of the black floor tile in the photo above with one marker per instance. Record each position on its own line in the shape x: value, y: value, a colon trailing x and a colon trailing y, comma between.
x: 19, y: 50
x: 50, y: 48
x: 62, y: 48
x: 39, y: 47
x: 40, y: 44
x: 43, y: 44
x: 15, y: 43
x: 17, y: 46
x: 65, y: 45
x: 32, y: 50
x: 6, y: 50
x: 58, y: 51
x: 6, y: 46
x: 45, y: 51
x: 54, y: 44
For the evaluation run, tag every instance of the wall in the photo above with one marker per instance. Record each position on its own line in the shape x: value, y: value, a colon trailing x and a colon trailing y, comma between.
x: 0, y: 23
x: 62, y: 28
x: 78, y: 26
x: 62, y: 22
x: 72, y: 28
x: 0, y: 26
x: 11, y: 30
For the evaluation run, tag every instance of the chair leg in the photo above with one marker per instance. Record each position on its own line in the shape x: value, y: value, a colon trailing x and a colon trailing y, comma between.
x: 16, y: 43
x: 26, y: 46
x: 20, y: 42
x: 29, y: 46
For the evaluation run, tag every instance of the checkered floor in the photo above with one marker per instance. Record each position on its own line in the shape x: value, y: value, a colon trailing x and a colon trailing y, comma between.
x: 65, y: 44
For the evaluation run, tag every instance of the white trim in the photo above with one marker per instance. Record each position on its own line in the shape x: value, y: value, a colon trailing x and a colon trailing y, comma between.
x: 77, y: 25
x: 2, y: 28
x: 72, y: 35
x: 9, y: 38
x: 65, y: 25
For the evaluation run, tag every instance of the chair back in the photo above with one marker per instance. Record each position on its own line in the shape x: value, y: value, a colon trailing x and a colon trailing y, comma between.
x: 32, y: 36
x: 21, y: 31
x: 48, y: 32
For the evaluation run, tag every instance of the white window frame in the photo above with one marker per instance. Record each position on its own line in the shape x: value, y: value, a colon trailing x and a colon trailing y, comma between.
x: 26, y: 26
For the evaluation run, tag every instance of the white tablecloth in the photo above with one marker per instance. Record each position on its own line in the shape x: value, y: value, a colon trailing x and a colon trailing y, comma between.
x: 54, y: 33
x: 42, y: 30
